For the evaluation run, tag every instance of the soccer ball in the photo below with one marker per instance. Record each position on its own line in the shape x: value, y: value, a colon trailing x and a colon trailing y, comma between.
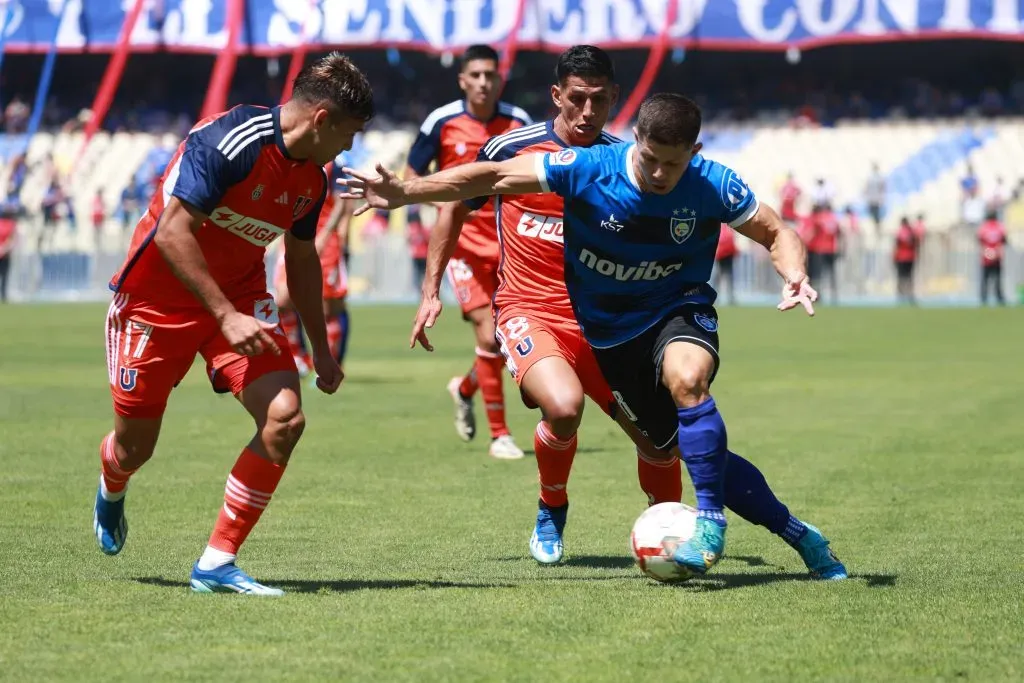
x: 673, y: 523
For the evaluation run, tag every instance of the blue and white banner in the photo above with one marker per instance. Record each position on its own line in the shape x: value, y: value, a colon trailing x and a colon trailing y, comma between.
x: 275, y: 26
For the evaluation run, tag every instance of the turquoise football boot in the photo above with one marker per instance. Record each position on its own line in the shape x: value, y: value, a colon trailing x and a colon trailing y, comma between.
x: 704, y: 550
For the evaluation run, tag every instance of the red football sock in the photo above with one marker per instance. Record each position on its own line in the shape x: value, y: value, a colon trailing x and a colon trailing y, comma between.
x: 554, y: 460
x: 334, y: 335
x: 250, y: 485
x: 469, y: 384
x: 115, y: 477
x: 660, y: 478
x: 488, y: 372
x: 293, y: 331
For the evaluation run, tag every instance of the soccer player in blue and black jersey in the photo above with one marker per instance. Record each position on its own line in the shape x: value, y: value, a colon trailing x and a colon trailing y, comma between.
x: 641, y: 226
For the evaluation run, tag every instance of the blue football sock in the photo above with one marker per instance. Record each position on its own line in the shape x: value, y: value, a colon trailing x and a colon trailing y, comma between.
x: 749, y: 496
x: 702, y: 442
x: 343, y: 346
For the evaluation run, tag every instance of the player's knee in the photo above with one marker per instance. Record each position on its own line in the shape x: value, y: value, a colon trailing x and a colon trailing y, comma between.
x: 564, y: 413
x: 285, y: 423
x: 688, y: 385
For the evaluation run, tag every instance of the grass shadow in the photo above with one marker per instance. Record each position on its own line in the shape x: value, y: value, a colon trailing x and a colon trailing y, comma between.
x: 337, y: 586
x: 717, y: 581
x: 599, y: 561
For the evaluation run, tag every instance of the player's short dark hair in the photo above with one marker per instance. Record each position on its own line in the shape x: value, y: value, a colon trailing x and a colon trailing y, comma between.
x: 584, y: 61
x: 337, y: 84
x: 478, y: 52
x: 669, y: 119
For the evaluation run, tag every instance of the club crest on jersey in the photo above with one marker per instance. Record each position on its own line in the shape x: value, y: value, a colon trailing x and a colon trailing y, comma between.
x: 126, y: 378
x: 257, y: 192
x: 707, y: 322
x: 460, y: 148
x: 682, y: 228
x: 563, y: 157
x: 300, y: 205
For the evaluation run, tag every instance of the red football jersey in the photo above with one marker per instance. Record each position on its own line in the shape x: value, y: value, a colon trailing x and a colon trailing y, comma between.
x: 531, y: 270
x: 992, y: 237
x: 726, y: 243
x: 906, y: 245
x: 235, y: 169
x: 451, y: 136
x: 824, y: 235
x: 790, y: 194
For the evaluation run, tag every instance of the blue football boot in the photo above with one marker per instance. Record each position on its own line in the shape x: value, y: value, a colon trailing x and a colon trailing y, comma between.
x: 228, y: 578
x: 819, y: 558
x: 704, y: 550
x: 546, y: 541
x: 109, y: 523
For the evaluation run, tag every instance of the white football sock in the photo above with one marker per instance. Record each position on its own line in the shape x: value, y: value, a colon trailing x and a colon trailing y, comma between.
x: 111, y: 496
x: 213, y: 558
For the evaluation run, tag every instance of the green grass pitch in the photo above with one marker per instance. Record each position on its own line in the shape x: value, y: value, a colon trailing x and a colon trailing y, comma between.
x: 898, y: 432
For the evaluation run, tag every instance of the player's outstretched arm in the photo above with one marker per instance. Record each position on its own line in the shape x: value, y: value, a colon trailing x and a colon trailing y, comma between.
x: 444, y: 237
x: 383, y: 190
x: 175, y: 239
x: 305, y: 285
x: 789, y: 256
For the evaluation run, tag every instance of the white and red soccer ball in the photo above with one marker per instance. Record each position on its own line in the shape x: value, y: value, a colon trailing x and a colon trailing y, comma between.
x: 656, y: 533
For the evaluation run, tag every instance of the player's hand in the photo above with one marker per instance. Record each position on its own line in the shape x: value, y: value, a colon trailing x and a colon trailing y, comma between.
x: 328, y: 373
x: 426, y: 316
x: 247, y: 335
x: 798, y: 290
x: 382, y: 190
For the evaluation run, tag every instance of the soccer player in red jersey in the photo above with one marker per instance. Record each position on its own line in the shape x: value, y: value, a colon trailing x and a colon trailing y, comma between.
x: 332, y: 230
x: 194, y: 282
x: 535, y: 324
x: 992, y: 240
x: 452, y: 135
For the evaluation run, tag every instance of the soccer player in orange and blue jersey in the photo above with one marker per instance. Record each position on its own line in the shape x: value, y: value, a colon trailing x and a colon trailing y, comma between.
x: 194, y: 282
x: 452, y: 135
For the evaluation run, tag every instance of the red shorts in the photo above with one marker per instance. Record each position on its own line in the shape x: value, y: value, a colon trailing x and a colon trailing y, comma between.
x: 526, y: 336
x: 474, y: 279
x: 335, y: 277
x: 150, y: 348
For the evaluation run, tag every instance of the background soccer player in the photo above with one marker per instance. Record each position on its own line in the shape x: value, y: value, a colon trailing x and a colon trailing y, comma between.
x: 638, y: 257
x: 194, y: 283
x: 452, y: 135
x: 332, y: 232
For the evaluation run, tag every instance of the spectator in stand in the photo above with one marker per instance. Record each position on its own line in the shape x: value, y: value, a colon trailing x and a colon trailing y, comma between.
x: 8, y: 230
x: 99, y: 212
x: 725, y: 254
x: 16, y: 116
x: 419, y: 239
x: 789, y: 195
x: 822, y: 194
x: 19, y: 171
x: 823, y: 247
x: 874, y: 196
x: 998, y: 198
x: 850, y: 224
x: 968, y: 184
x: 905, y: 257
x: 53, y: 198
x: 992, y: 239
x: 130, y: 203
x: 972, y: 209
